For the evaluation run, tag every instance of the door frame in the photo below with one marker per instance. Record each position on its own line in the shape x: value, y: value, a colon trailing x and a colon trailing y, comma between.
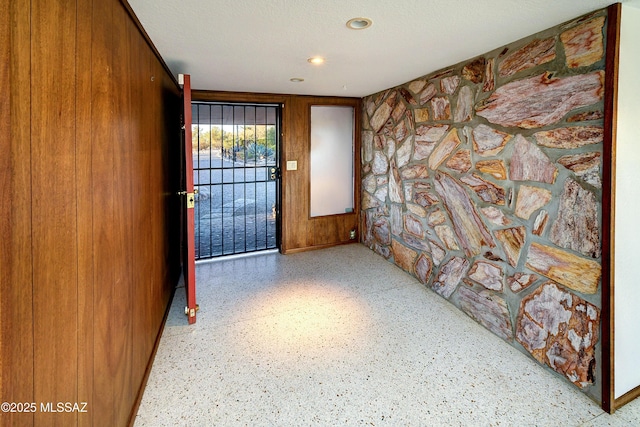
x: 259, y: 98
x: 276, y: 175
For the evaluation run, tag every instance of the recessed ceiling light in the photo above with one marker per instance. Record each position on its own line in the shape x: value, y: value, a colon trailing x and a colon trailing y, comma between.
x: 359, y: 23
x: 316, y: 60
x: 296, y: 79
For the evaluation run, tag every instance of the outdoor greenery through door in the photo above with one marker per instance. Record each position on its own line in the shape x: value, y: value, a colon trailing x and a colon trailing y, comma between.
x: 235, y: 167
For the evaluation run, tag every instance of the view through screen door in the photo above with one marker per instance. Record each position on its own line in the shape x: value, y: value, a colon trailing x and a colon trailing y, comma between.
x: 236, y: 172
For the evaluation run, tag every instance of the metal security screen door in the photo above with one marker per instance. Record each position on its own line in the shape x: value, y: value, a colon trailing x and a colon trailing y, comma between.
x: 236, y: 173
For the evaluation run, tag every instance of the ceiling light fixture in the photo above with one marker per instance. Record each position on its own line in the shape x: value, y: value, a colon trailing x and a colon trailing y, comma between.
x: 359, y: 23
x: 316, y: 60
x: 296, y: 79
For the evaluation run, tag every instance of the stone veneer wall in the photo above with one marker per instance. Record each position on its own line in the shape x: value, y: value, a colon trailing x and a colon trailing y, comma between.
x: 484, y: 182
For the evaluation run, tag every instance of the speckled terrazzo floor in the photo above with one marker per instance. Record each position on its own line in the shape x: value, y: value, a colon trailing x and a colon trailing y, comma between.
x: 340, y: 337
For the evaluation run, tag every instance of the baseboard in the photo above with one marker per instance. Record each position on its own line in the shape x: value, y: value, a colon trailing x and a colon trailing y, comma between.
x: 313, y: 248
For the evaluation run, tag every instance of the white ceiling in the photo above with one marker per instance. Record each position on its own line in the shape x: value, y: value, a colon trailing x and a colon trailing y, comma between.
x: 258, y: 45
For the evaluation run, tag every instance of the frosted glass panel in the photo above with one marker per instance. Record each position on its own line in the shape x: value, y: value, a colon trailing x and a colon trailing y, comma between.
x: 627, y: 204
x: 331, y: 160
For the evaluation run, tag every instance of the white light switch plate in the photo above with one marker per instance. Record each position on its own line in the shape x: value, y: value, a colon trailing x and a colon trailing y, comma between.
x: 292, y: 165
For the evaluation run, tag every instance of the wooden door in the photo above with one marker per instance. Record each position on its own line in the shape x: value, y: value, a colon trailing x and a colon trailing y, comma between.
x: 189, y: 263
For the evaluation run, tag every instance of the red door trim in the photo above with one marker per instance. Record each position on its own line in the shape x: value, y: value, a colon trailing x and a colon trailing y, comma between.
x: 190, y: 259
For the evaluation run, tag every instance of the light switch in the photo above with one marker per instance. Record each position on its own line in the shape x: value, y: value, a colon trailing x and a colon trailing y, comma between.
x: 292, y: 165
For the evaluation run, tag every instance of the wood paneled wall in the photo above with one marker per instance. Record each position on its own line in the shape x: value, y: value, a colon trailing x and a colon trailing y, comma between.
x: 300, y: 232
x: 89, y: 222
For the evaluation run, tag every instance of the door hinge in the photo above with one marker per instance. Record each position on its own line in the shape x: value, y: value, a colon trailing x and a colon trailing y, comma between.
x: 191, y: 312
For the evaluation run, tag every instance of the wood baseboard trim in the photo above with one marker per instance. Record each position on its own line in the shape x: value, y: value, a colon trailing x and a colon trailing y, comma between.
x: 313, y: 248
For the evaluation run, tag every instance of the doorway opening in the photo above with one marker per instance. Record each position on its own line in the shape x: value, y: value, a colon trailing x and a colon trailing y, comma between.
x: 236, y: 172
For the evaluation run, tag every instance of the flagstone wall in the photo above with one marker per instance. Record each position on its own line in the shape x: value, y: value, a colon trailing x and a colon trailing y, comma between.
x: 483, y: 181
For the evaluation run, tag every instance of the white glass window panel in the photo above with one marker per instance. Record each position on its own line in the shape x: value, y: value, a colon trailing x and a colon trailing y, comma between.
x: 627, y: 203
x: 332, y: 132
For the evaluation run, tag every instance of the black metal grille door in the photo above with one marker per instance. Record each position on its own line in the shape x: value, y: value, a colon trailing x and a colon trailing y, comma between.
x: 236, y: 171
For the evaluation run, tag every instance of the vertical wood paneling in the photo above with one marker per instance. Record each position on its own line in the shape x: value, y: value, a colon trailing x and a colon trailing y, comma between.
x: 157, y: 179
x: 108, y: 340
x: 84, y: 179
x: 284, y: 147
x: 16, y: 279
x: 122, y: 228
x: 139, y: 79
x: 76, y: 123
x: 54, y: 209
x: 296, y: 232
x: 5, y: 172
x: 300, y: 231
